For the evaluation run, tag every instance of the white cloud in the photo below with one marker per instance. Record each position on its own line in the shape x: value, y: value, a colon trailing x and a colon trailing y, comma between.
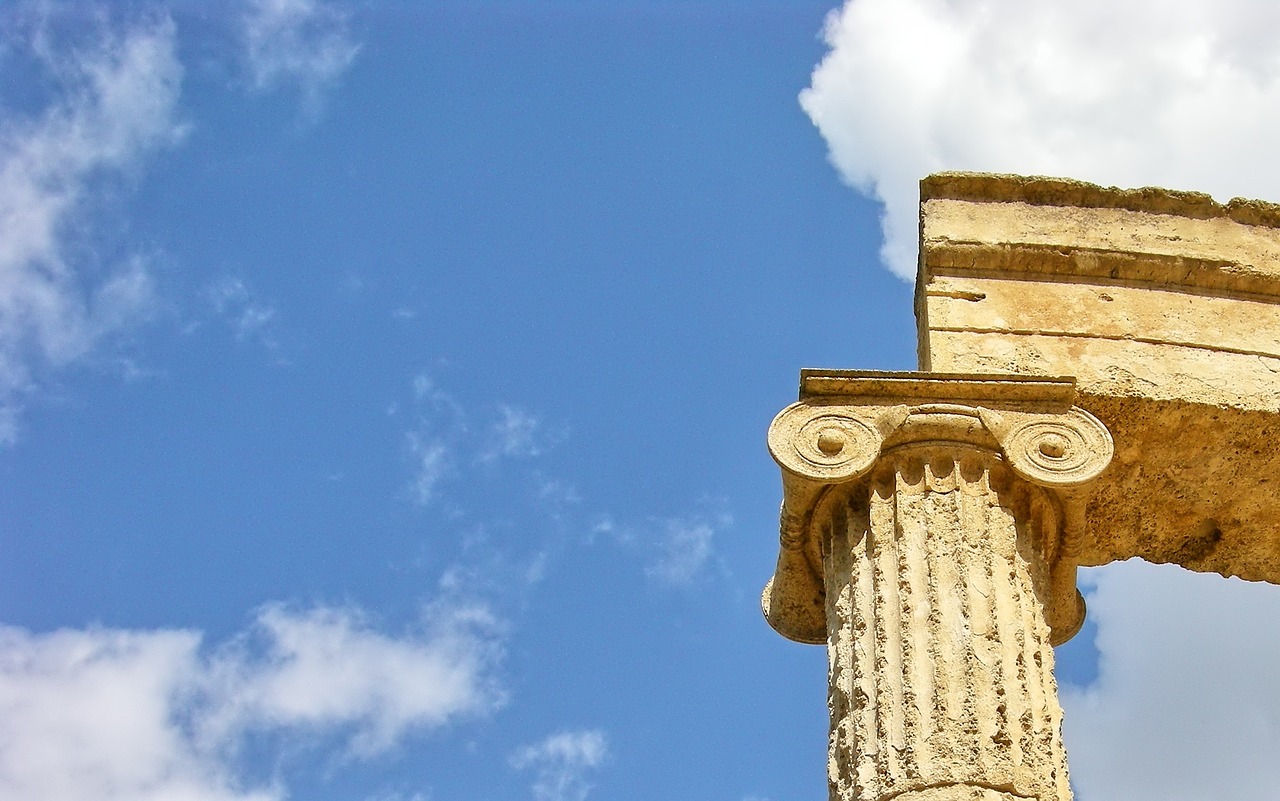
x: 1176, y: 93
x: 326, y: 668
x: 304, y: 43
x: 685, y: 546
x: 513, y: 435
x: 443, y: 443
x: 114, y: 103
x: 561, y: 763
x: 246, y: 315
x: 1186, y: 705
x: 117, y: 715
x: 423, y: 387
x: 430, y: 464
x: 439, y: 402
x: 436, y: 435
x: 556, y: 495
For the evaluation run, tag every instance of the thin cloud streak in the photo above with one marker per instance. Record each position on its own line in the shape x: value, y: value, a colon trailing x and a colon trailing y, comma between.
x: 442, y: 444
x: 249, y: 318
x: 516, y: 434
x: 431, y: 464
x: 685, y: 547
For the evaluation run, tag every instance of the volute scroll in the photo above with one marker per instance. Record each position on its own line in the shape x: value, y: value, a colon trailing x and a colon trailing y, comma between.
x: 1053, y: 450
x: 826, y: 444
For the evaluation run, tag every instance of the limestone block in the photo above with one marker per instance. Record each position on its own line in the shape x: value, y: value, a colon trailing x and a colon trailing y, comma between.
x: 1165, y: 307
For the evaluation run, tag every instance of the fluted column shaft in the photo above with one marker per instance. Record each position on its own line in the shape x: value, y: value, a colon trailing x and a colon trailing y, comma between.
x: 941, y: 682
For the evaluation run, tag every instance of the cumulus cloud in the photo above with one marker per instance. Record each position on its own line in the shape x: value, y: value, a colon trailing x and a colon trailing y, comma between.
x: 121, y: 715
x: 1185, y: 706
x: 326, y: 668
x: 114, y: 103
x: 1176, y: 93
x: 306, y: 44
x: 562, y: 762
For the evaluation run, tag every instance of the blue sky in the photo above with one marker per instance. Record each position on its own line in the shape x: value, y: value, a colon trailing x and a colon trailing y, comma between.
x: 384, y: 387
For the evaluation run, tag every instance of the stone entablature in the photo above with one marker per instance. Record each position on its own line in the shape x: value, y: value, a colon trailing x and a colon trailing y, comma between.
x: 1165, y: 308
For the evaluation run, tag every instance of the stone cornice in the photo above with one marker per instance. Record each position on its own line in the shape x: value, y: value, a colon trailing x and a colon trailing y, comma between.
x: 1038, y: 228
x: 1039, y: 190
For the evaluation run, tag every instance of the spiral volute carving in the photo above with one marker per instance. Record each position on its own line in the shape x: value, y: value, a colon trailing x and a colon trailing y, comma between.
x: 1058, y: 451
x: 824, y: 444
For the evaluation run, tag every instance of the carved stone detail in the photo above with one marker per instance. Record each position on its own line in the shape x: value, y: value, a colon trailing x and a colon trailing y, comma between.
x: 941, y: 666
x: 927, y: 536
x: 830, y: 444
x: 826, y: 443
x: 1060, y: 451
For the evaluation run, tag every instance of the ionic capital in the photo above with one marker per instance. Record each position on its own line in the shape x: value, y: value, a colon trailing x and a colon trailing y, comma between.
x: 846, y: 422
x: 824, y: 442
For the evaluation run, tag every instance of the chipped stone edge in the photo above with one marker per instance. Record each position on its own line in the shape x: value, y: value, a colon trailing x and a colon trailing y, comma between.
x: 1037, y: 190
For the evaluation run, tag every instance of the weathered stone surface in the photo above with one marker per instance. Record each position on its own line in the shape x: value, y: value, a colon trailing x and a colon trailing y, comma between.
x: 940, y: 663
x: 1165, y: 307
x: 1102, y: 381
x: 922, y: 538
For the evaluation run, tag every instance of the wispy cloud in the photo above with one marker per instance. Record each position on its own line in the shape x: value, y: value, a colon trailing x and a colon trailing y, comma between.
x: 430, y: 459
x: 562, y: 762
x: 446, y: 439
x: 438, y: 428
x: 1185, y: 706
x: 1183, y: 94
x: 514, y: 434
x: 556, y: 496
x: 304, y: 44
x: 248, y: 317
x: 684, y: 548
x: 117, y: 714
x: 114, y: 103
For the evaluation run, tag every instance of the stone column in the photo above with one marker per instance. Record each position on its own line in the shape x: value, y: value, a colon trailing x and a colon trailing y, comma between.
x: 940, y: 534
